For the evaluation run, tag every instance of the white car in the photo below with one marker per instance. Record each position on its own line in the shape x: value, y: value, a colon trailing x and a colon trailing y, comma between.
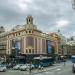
x: 17, y: 67
x: 23, y: 67
x: 40, y: 67
x: 30, y: 66
x: 3, y: 68
x: 73, y: 68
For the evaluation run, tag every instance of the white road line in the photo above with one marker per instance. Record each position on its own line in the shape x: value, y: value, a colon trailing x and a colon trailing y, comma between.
x: 58, y: 69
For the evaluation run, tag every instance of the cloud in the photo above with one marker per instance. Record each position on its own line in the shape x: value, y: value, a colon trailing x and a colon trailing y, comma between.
x: 23, y: 4
x: 62, y: 23
x: 46, y: 14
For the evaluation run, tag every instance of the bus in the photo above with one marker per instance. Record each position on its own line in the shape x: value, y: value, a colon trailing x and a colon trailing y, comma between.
x: 42, y: 61
x: 73, y: 58
x: 62, y: 58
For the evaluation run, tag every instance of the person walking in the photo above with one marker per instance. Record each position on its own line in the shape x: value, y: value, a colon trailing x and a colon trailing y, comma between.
x: 64, y: 62
x: 30, y: 68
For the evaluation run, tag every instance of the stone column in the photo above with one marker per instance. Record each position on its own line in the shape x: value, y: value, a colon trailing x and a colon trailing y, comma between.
x: 7, y: 47
x: 24, y: 46
x: 34, y: 46
x: 41, y: 47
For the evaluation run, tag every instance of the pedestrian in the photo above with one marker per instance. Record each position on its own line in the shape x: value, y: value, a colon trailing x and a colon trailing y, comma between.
x: 64, y: 62
x: 42, y: 68
x: 30, y: 68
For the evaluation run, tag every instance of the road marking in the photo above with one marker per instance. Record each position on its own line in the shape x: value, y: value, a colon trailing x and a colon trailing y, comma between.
x: 47, y: 70
x: 58, y: 69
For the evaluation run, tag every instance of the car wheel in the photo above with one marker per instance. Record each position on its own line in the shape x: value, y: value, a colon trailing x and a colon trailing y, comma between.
x: 73, y: 71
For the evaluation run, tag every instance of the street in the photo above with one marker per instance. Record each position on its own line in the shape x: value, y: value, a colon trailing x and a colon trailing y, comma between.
x: 59, y: 69
x: 63, y: 70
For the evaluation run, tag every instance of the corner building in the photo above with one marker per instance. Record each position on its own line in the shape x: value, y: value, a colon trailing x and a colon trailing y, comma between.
x: 28, y: 41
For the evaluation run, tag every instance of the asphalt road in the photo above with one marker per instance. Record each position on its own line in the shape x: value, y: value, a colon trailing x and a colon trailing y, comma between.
x: 60, y: 69
x: 63, y: 70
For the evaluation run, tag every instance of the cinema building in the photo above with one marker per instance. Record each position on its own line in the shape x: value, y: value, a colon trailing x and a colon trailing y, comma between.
x: 26, y: 41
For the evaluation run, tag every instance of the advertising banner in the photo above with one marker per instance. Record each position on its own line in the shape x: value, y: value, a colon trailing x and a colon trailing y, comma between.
x: 18, y: 45
x: 50, y: 47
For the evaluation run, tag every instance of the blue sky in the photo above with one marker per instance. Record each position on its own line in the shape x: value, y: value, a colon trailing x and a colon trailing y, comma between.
x: 49, y: 15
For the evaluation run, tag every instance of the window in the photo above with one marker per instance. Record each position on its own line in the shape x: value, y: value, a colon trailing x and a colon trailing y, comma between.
x: 29, y: 31
x: 29, y: 20
x: 29, y: 50
x: 19, y: 33
x: 26, y: 31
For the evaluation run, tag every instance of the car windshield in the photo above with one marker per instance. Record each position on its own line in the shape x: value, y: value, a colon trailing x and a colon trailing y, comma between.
x: 1, y: 65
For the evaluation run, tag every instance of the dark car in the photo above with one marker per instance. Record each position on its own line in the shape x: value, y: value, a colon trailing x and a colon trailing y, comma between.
x: 73, y: 68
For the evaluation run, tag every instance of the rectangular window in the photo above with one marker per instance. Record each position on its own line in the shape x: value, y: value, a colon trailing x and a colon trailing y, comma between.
x: 29, y: 50
x: 19, y: 33
x: 29, y: 31
x: 26, y: 51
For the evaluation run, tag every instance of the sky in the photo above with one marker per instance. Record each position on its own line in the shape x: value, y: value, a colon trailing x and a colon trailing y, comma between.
x: 49, y: 15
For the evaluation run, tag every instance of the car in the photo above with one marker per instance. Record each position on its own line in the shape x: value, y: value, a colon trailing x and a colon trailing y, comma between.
x: 30, y: 66
x: 40, y: 67
x: 3, y: 68
x: 17, y: 67
x: 23, y: 67
x: 73, y: 68
x: 9, y: 65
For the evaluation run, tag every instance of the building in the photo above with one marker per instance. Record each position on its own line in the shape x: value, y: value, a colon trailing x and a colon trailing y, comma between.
x: 2, y: 42
x: 56, y: 41
x: 27, y: 41
x: 71, y: 46
x: 63, y: 45
x: 60, y: 48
